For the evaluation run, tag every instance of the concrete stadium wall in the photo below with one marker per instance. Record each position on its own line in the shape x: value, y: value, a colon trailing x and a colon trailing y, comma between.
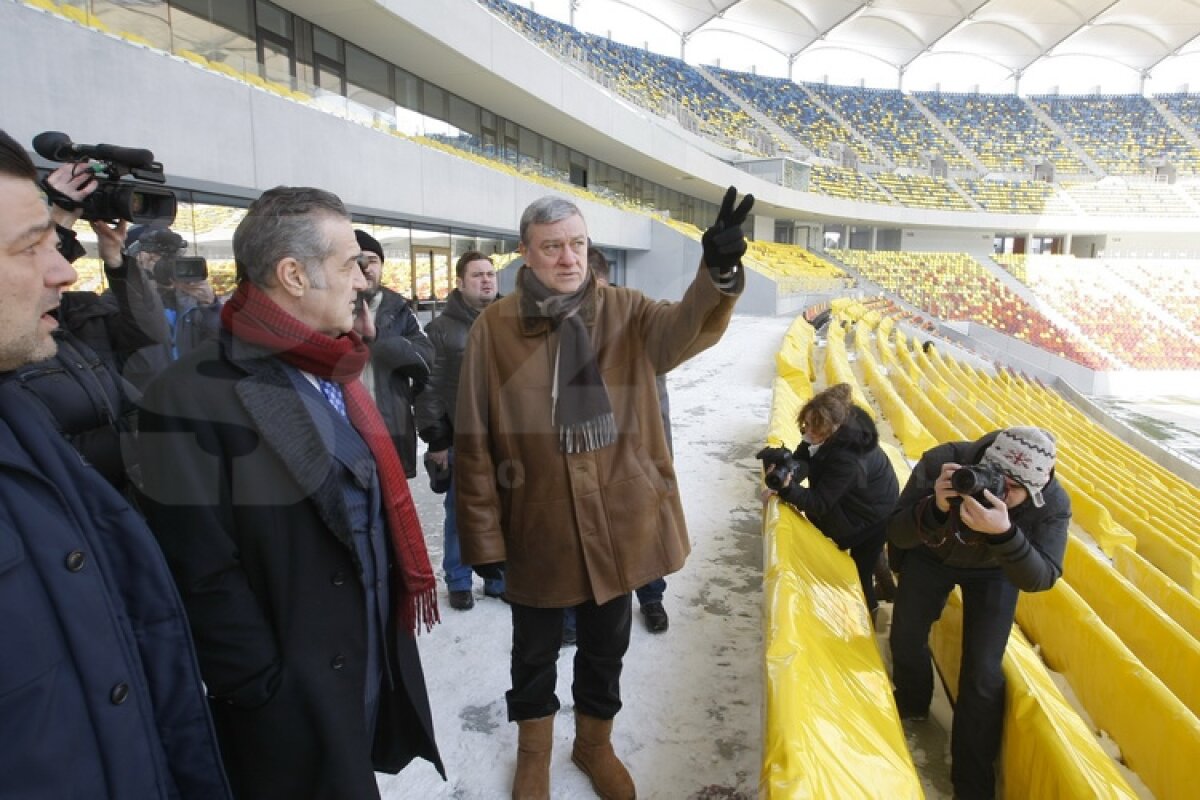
x: 219, y: 134
x: 940, y: 240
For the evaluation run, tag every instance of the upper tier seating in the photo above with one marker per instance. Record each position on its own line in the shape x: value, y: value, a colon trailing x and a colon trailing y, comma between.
x: 891, y: 123
x: 920, y: 191
x: 669, y: 87
x: 789, y: 105
x: 1001, y: 130
x: 848, y: 184
x: 954, y: 286
x: 1121, y: 132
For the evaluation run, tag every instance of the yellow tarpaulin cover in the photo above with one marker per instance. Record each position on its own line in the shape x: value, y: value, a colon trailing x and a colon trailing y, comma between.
x: 1158, y: 736
x: 831, y: 729
x: 1047, y: 750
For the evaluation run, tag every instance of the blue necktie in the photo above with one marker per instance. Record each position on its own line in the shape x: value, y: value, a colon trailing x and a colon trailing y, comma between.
x: 333, y: 393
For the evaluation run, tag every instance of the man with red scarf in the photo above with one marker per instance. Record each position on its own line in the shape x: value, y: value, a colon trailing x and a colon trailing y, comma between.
x: 277, y: 495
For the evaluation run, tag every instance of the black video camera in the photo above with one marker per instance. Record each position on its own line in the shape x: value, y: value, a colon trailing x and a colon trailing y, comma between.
x: 191, y: 268
x: 779, y: 462
x: 137, y: 199
x: 972, y: 480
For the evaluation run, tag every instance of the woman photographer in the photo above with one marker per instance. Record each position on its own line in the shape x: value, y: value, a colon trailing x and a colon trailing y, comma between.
x: 852, y: 488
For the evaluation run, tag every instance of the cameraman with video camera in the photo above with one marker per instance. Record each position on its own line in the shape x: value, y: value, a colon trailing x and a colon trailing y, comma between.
x: 190, y: 306
x: 81, y: 385
x: 990, y: 517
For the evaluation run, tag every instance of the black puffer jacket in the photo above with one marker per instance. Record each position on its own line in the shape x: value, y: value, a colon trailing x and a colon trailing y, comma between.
x: 851, y: 484
x: 1031, y: 554
x: 435, y: 406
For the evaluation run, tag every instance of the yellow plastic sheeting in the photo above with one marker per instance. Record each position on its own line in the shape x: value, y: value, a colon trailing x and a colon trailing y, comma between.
x: 1168, y: 555
x: 1162, y: 591
x: 1094, y: 518
x: 837, y: 367
x: 831, y: 726
x: 1156, y: 639
x: 913, y: 436
x: 1158, y: 736
x: 795, y: 357
x: 785, y: 406
x: 1047, y: 750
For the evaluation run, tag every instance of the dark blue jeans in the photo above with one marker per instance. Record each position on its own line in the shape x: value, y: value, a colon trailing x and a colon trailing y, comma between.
x: 989, y: 603
x: 652, y: 592
x: 600, y: 651
x: 458, y: 574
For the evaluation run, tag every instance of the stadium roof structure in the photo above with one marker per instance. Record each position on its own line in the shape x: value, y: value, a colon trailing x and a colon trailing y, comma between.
x: 1118, y: 46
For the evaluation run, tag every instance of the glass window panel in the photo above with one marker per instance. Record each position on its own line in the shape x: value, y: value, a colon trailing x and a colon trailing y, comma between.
x: 274, y: 19
x: 276, y: 62
x: 433, y: 101
x: 408, y: 90
x: 464, y: 115
x: 433, y: 272
x: 326, y: 44
x: 367, y: 71
x: 530, y: 143
x: 231, y: 14
x: 202, y: 33
x: 145, y: 23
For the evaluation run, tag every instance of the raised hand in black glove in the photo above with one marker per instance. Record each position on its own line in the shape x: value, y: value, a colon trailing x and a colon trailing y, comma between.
x: 724, y: 243
x: 489, y: 572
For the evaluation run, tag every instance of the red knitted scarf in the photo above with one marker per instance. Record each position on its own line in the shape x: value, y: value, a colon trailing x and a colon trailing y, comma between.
x: 254, y: 318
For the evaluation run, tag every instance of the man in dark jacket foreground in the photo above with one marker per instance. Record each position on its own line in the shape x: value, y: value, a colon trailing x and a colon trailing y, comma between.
x: 276, y: 493
x: 99, y: 692
x: 994, y: 543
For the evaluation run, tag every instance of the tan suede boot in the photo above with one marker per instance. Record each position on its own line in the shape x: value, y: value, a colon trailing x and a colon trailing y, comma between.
x: 593, y: 753
x: 534, y: 741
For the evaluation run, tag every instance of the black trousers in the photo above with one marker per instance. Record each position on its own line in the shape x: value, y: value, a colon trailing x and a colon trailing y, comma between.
x: 989, y: 603
x: 603, y: 638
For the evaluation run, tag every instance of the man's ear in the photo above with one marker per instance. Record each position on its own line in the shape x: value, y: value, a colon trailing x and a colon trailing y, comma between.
x: 291, y: 277
x: 521, y: 249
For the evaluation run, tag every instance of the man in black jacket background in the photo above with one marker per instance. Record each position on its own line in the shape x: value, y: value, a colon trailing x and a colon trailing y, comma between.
x: 401, y: 355
x: 475, y: 289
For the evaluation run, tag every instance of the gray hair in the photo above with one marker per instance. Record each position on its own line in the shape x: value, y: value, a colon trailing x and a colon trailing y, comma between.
x: 546, y: 211
x: 280, y: 224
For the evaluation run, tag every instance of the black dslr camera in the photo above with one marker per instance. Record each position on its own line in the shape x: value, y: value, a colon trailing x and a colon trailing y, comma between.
x: 136, y: 199
x: 973, y: 479
x: 779, y: 462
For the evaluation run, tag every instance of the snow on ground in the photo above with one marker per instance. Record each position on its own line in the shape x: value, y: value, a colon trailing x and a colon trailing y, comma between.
x: 691, y: 728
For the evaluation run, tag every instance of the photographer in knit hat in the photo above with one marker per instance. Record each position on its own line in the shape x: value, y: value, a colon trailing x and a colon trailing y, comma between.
x: 990, y: 517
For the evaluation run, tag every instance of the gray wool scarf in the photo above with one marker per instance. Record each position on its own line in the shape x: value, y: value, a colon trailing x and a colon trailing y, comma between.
x: 579, y: 399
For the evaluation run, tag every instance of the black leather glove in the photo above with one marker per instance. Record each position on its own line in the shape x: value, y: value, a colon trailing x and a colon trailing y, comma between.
x: 489, y: 572
x: 724, y: 243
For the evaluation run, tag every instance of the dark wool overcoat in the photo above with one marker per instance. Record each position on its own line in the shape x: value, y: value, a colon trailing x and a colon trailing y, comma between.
x: 245, y: 498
